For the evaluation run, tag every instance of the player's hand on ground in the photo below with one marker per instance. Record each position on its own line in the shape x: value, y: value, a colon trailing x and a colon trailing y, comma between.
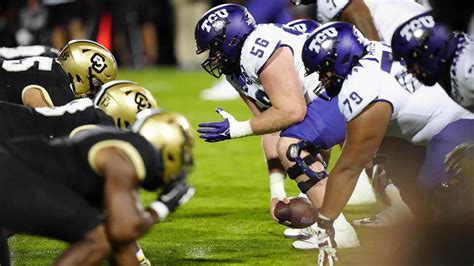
x: 460, y: 160
x: 327, y: 244
x: 228, y: 129
x: 273, y: 203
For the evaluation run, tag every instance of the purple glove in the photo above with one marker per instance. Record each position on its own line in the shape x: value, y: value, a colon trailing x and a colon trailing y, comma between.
x: 215, y: 131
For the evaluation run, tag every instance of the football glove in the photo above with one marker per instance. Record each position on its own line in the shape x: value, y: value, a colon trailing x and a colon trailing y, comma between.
x: 327, y: 244
x: 228, y: 129
x: 379, y: 183
x: 176, y: 194
x: 459, y: 162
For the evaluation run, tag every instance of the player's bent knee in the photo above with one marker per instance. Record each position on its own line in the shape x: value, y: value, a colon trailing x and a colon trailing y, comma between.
x: 282, y: 147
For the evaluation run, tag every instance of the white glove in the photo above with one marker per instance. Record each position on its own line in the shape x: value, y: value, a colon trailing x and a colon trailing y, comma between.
x: 327, y: 244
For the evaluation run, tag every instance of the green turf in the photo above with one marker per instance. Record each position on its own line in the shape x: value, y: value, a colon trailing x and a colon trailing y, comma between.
x: 227, y: 221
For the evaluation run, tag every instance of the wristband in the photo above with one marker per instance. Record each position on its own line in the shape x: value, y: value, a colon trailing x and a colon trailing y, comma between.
x: 240, y: 129
x: 277, y: 185
x: 161, y: 209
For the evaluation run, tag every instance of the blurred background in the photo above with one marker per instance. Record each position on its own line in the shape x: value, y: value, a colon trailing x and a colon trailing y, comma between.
x: 140, y: 33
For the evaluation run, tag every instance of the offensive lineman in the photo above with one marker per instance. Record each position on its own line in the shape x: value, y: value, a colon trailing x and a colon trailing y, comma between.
x: 377, y: 20
x: 434, y: 53
x: 262, y: 62
x: 382, y: 107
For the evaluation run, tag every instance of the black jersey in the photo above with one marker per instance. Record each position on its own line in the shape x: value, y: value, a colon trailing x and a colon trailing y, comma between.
x: 16, y: 74
x: 70, y: 161
x: 19, y: 120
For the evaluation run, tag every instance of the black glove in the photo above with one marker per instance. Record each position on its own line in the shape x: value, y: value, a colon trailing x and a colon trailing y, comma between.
x: 176, y: 193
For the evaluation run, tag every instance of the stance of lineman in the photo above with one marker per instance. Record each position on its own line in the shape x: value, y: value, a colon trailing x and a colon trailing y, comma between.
x: 262, y: 62
x: 95, y: 170
x: 377, y: 20
x: 381, y: 107
x: 117, y: 103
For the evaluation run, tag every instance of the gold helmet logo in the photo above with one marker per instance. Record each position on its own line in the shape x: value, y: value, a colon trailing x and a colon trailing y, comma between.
x: 122, y: 100
x: 88, y: 65
x: 170, y: 133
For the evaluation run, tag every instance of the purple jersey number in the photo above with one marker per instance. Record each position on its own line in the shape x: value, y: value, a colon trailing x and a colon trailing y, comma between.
x: 353, y: 97
x: 255, y: 50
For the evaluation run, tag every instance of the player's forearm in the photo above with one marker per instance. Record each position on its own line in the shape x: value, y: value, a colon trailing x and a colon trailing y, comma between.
x: 358, y: 13
x: 339, y: 188
x: 276, y: 119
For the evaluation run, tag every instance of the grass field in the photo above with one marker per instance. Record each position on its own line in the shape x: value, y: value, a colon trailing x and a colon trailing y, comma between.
x: 227, y: 222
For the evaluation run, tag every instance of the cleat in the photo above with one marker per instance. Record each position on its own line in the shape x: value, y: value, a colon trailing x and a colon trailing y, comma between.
x: 295, y: 233
x: 345, y: 236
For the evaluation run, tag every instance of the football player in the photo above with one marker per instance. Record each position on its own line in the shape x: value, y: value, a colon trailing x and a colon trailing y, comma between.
x: 382, y: 106
x: 377, y: 20
x: 262, y: 62
x: 117, y: 103
x: 67, y: 183
x: 39, y: 81
x: 434, y: 53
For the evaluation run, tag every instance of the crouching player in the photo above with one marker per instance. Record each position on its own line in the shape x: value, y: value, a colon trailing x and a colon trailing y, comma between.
x: 87, y: 194
x: 375, y: 104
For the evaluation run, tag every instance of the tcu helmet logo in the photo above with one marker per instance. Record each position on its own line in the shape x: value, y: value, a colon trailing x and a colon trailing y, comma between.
x: 98, y: 63
x: 300, y: 27
x: 206, y: 25
x: 418, y: 23
x: 315, y: 44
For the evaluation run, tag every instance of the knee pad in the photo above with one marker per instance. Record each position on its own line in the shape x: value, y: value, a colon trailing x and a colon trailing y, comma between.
x: 301, y: 165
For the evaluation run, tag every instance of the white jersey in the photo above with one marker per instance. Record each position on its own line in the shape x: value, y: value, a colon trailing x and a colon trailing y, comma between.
x: 417, y: 114
x: 462, y: 72
x: 387, y: 15
x: 257, y: 49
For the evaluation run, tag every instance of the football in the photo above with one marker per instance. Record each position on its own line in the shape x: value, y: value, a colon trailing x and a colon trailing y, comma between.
x: 299, y: 213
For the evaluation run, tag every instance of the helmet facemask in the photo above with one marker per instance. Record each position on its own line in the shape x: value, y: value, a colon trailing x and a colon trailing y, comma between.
x: 332, y: 85
x: 213, y: 64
